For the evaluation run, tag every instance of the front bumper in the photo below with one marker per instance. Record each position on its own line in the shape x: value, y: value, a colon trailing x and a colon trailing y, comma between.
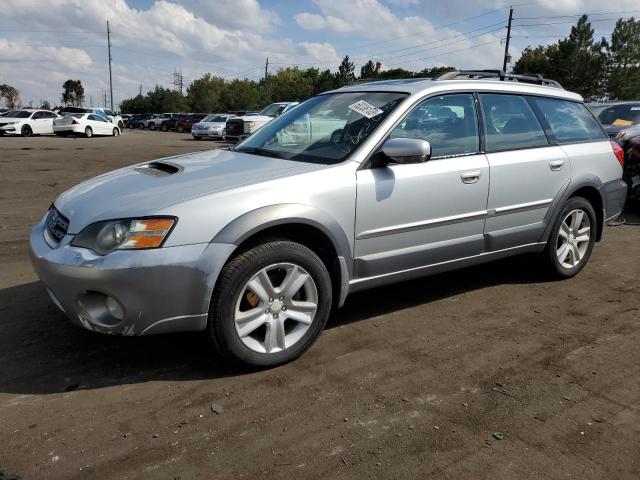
x: 160, y: 290
x: 10, y: 129
x: 207, y: 134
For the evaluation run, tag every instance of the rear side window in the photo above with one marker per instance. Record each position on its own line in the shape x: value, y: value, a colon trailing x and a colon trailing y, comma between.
x: 509, y: 122
x: 569, y: 121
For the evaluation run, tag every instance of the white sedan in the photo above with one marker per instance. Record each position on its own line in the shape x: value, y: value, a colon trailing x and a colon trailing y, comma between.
x: 28, y: 122
x: 87, y: 124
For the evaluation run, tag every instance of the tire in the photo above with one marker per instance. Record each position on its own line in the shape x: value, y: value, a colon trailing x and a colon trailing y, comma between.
x: 88, y: 132
x: 164, y: 128
x: 141, y: 126
x: 120, y: 125
x: 261, y: 346
x: 152, y: 126
x: 26, y: 131
x: 566, y: 262
x: 116, y: 132
x: 180, y: 129
x: 1, y: 133
x: 130, y: 125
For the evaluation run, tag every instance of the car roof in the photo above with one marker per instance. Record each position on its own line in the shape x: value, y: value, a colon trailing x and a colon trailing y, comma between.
x: 423, y: 86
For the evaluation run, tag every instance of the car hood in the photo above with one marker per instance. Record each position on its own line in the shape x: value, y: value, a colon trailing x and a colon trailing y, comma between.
x: 144, y: 189
x: 255, y: 118
x: 210, y: 124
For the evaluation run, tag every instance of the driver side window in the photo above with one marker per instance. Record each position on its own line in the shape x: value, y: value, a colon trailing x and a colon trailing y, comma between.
x: 448, y: 122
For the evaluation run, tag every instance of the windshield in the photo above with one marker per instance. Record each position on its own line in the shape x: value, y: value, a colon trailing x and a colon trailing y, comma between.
x: 20, y: 114
x: 324, y: 129
x: 273, y: 110
x: 215, y: 118
x: 620, y: 115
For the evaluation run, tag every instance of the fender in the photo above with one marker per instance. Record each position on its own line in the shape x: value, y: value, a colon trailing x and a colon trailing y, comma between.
x: 587, y: 180
x: 263, y: 218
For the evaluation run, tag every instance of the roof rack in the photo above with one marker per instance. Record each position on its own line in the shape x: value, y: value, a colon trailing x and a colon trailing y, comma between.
x: 498, y: 74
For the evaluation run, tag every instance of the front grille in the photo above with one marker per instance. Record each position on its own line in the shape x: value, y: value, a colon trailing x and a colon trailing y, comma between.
x: 57, y: 224
x: 234, y: 127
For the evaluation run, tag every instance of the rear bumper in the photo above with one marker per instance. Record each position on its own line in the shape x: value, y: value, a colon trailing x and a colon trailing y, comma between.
x: 614, y: 195
x: 159, y: 290
x: 68, y: 129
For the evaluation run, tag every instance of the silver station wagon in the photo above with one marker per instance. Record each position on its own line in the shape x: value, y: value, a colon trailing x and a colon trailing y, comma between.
x: 355, y: 188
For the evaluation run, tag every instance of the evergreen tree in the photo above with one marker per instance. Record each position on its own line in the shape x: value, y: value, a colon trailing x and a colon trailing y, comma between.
x: 624, y: 61
x: 346, y: 72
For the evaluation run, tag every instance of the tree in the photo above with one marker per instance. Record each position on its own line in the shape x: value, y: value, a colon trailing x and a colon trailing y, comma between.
x: 345, y: 74
x: 624, y: 61
x: 10, y: 94
x: 206, y: 94
x: 241, y: 95
x: 73, y: 93
x: 577, y: 62
x: 45, y: 105
x: 368, y: 70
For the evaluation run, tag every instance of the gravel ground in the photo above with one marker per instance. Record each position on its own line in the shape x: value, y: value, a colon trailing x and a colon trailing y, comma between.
x: 488, y: 372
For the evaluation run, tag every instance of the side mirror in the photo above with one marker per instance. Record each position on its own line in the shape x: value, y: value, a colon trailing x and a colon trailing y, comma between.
x: 407, y: 150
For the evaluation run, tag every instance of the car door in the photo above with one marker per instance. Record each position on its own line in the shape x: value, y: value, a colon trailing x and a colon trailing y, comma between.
x: 413, y: 215
x: 527, y: 173
x: 39, y: 122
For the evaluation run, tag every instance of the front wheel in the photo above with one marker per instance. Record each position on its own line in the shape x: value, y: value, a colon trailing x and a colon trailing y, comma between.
x: 26, y: 131
x: 270, y: 305
x: 572, y: 238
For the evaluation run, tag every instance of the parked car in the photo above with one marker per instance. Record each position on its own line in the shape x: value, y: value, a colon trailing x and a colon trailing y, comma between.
x: 240, y: 128
x: 629, y: 140
x: 257, y: 244
x: 150, y: 121
x: 87, y: 124
x: 618, y: 116
x: 156, y: 120
x: 133, y: 120
x: 28, y: 122
x: 103, y: 112
x: 211, y: 126
x: 140, y: 121
x: 125, y: 119
x: 185, y: 124
x: 171, y: 123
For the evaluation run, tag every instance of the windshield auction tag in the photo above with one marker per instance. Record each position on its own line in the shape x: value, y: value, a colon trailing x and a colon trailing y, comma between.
x: 365, y: 109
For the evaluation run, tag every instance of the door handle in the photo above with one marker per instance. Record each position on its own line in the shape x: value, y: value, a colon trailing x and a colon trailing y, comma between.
x: 471, y: 177
x: 556, y: 165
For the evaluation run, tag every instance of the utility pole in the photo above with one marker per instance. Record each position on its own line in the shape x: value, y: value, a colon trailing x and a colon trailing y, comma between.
x: 266, y: 70
x: 507, y: 58
x: 140, y: 90
x: 110, y: 77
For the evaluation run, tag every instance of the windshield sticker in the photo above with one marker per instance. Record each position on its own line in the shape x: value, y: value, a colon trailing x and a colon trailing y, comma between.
x: 365, y: 109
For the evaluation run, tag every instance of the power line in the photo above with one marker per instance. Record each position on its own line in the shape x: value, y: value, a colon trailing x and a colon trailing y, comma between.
x: 446, y: 53
x: 579, y: 15
x: 568, y: 23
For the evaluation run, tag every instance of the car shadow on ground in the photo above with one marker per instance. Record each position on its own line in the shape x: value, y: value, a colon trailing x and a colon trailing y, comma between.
x: 42, y: 353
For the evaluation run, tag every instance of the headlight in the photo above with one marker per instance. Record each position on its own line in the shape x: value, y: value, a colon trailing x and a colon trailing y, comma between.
x: 128, y: 234
x: 249, y: 126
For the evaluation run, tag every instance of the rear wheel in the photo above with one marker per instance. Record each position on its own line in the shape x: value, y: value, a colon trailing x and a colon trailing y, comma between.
x: 116, y: 131
x: 270, y: 304
x: 141, y: 126
x: 152, y: 126
x: 88, y: 132
x: 572, y: 238
x: 26, y: 131
x: 164, y: 127
x: 180, y: 129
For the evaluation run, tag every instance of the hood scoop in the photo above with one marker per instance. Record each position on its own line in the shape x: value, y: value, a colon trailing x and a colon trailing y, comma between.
x: 159, y: 169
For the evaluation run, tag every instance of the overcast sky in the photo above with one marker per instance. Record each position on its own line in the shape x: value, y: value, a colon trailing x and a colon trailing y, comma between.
x: 45, y: 42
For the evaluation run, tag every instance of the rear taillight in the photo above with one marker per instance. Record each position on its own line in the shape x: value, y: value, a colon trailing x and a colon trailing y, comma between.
x: 618, y: 152
x: 75, y: 122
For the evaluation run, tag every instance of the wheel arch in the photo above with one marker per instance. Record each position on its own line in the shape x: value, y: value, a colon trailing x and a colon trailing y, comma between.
x: 304, y: 224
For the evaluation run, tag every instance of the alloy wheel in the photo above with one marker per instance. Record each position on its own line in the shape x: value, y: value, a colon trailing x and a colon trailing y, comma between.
x: 573, y: 238
x: 276, y: 307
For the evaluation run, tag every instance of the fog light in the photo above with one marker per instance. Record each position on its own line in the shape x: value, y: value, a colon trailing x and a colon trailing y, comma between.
x: 114, y: 307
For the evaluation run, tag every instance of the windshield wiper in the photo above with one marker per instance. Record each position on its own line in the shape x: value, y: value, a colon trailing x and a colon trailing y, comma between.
x: 260, y: 151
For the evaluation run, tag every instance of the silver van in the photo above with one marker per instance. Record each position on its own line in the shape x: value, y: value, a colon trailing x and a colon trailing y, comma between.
x: 355, y: 188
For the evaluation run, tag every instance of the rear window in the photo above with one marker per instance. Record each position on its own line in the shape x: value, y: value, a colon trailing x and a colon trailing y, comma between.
x: 509, y: 123
x: 569, y: 121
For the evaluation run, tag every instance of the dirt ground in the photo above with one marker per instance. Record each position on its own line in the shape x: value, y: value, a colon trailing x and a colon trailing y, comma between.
x: 415, y: 380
